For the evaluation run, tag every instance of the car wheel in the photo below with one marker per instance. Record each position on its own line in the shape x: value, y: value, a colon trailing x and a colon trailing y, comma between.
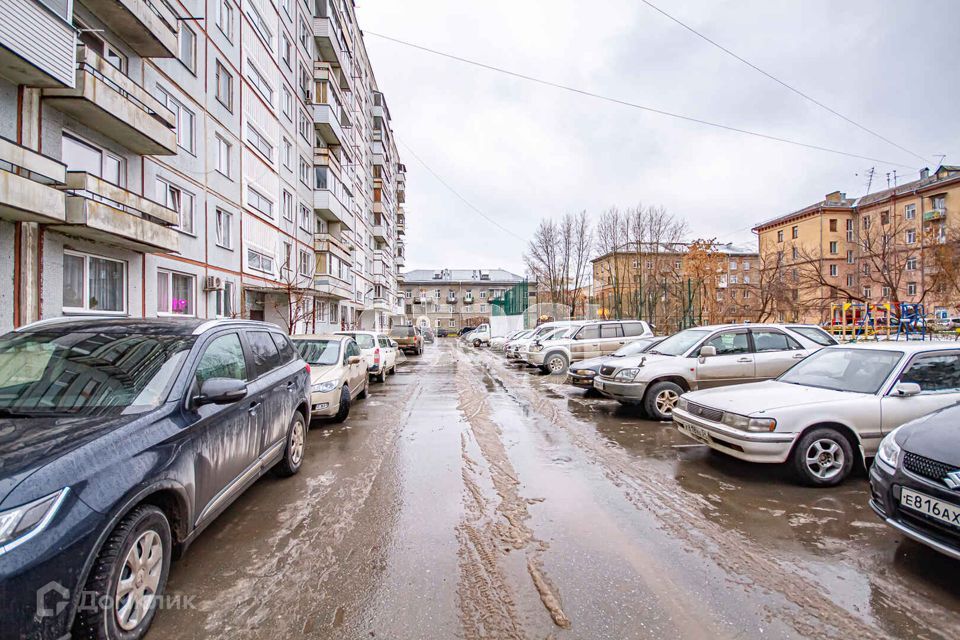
x: 382, y: 376
x: 366, y: 390
x: 393, y: 370
x: 556, y: 363
x: 127, y: 578
x: 661, y: 398
x: 293, y: 453
x: 477, y: 343
x: 823, y: 457
x: 344, y: 409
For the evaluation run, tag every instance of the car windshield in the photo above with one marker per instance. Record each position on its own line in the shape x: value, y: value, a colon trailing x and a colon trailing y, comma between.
x: 632, y: 348
x: 365, y: 340
x: 401, y: 332
x: 857, y: 370
x: 679, y: 343
x: 816, y: 334
x: 87, y: 373
x: 319, y: 352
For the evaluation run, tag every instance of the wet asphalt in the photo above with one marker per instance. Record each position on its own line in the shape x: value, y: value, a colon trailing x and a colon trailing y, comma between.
x: 468, y: 498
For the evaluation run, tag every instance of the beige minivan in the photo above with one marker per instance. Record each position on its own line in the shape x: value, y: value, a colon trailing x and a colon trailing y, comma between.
x: 592, y: 340
x: 338, y: 373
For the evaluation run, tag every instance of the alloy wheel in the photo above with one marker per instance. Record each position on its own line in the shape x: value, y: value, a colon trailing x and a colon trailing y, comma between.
x: 824, y: 459
x: 139, y: 579
x: 556, y: 365
x: 667, y: 401
x: 296, y: 442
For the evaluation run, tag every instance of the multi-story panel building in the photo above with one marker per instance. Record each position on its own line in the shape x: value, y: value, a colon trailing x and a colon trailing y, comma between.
x: 677, y: 285
x: 455, y: 298
x: 194, y: 157
x: 891, y: 246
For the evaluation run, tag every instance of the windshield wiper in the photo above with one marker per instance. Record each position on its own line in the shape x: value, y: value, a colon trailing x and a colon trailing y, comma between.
x: 6, y: 412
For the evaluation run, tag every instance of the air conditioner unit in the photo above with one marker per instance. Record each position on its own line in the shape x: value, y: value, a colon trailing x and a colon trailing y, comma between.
x: 212, y: 283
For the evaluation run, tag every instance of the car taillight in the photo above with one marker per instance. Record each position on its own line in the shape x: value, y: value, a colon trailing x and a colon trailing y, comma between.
x: 308, y: 368
x: 376, y: 356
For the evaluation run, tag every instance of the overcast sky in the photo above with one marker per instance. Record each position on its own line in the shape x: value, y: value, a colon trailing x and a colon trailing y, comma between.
x: 520, y: 151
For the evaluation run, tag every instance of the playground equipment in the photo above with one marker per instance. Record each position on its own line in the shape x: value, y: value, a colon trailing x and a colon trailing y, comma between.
x: 913, y: 321
x: 853, y: 320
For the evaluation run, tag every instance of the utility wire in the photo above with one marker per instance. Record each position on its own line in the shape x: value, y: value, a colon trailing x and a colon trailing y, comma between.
x: 457, y: 193
x: 634, y: 105
x: 778, y: 80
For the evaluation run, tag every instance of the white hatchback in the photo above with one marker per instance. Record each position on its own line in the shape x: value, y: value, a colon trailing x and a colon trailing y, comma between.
x: 379, y: 352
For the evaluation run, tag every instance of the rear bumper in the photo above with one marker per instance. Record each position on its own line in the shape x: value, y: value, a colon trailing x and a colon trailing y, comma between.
x: 752, y: 447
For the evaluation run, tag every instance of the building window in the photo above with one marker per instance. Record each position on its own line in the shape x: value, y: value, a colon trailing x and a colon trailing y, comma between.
x: 93, y: 284
x: 223, y: 155
x: 98, y: 45
x: 866, y: 222
x: 851, y: 280
x: 884, y: 292
x: 850, y: 258
x: 452, y: 324
x: 911, y: 236
x: 223, y: 305
x: 940, y: 203
x: 833, y: 224
x: 306, y: 269
x: 225, y: 18
x: 910, y: 211
x: 867, y: 292
x: 733, y: 278
x: 304, y: 125
x: 260, y: 25
x: 180, y: 201
x: 780, y: 236
x: 850, y: 230
x: 224, y: 229
x: 175, y: 293
x: 287, y: 153
x: 911, y: 288
x: 81, y: 156
x: 746, y: 280
x: 306, y: 81
x: 287, y: 106
x: 287, y: 205
x: 834, y: 247
x: 184, y: 119
x: 733, y: 265
x: 306, y: 219
x: 746, y: 265
x: 304, y: 171
x: 259, y: 142
x: 911, y: 264
x: 287, y: 257
x: 794, y: 252
x: 834, y: 270
x: 224, y: 86
x: 260, y: 202
x: 259, y: 81
x: 259, y: 261
x: 884, y: 217
x: 795, y: 232
x: 187, y: 49
x: 285, y: 50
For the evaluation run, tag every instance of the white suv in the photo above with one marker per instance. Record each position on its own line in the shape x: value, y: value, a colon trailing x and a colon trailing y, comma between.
x: 592, y: 340
x: 379, y: 352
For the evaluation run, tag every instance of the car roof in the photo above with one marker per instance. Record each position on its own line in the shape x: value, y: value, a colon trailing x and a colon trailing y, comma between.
x: 894, y: 345
x: 353, y: 333
x: 148, y: 326
x: 321, y: 336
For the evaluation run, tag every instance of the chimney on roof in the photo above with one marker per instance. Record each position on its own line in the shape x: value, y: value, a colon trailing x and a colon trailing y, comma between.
x: 924, y: 173
x: 835, y: 198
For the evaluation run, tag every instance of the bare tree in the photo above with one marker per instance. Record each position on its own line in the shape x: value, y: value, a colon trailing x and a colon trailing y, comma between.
x: 559, y: 256
x: 292, y: 298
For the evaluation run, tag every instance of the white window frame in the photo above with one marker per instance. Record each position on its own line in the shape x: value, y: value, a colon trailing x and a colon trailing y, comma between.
x: 261, y: 259
x: 911, y: 288
x: 186, y: 140
x: 306, y: 218
x: 287, y: 153
x: 86, y: 286
x: 287, y: 103
x: 225, y: 18
x: 191, y: 42
x: 223, y: 221
x: 304, y: 266
x: 104, y: 154
x: 260, y: 25
x: 834, y: 271
x: 286, y: 51
x: 287, y: 206
x: 223, y: 73
x: 259, y: 82
x: 259, y: 142
x: 223, y: 294
x: 910, y: 211
x: 170, y: 273
x: 169, y: 200
x: 224, y: 151
x: 256, y: 200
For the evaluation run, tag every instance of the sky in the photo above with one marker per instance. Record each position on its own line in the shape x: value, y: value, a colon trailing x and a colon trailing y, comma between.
x: 520, y: 152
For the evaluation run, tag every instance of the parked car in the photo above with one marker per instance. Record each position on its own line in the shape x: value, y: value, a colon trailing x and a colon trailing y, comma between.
x: 701, y: 358
x: 546, y: 328
x: 442, y: 332
x: 591, y: 340
x: 408, y: 339
x: 915, y: 480
x: 428, y: 336
x: 582, y: 374
x: 521, y: 347
x: 480, y: 336
x: 829, y: 411
x: 378, y: 352
x: 497, y: 343
x: 511, y: 346
x: 464, y: 330
x: 338, y: 373
x: 120, y: 441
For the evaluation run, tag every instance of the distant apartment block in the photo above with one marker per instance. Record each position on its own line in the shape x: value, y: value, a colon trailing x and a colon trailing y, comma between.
x: 208, y: 158
x: 455, y: 298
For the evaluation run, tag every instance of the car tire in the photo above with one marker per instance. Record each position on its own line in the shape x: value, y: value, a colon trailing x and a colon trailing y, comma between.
x: 393, y: 370
x: 344, y: 409
x: 477, y: 343
x: 555, y: 363
x: 823, y: 457
x: 296, y: 444
x: 141, y: 534
x: 365, y: 391
x: 660, y: 400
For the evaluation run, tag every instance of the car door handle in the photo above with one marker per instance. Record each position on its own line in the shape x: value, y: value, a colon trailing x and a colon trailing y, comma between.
x: 799, y: 356
x: 290, y: 385
x: 744, y: 359
x: 253, y: 408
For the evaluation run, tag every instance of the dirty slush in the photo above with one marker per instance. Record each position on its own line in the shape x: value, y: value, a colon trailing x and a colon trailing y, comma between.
x: 469, y: 499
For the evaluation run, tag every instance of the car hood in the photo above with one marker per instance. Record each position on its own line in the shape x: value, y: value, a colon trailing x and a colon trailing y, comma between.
x: 936, y: 436
x: 594, y: 364
x: 761, y: 397
x: 28, y: 444
x: 323, y: 373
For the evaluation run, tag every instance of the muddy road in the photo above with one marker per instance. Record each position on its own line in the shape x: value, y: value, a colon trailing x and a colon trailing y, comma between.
x: 466, y: 498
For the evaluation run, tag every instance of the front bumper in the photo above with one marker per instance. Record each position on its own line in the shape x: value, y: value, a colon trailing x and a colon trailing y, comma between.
x: 885, y: 486
x: 625, y: 391
x: 534, y: 357
x: 584, y: 380
x: 772, y: 447
x: 325, y: 404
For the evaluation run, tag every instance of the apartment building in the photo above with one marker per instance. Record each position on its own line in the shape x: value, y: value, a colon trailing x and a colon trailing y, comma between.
x: 455, y: 298
x: 893, y: 245
x: 208, y: 158
x: 677, y: 285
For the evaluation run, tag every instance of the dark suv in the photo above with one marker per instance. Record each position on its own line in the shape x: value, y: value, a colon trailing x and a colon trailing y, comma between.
x: 120, y: 441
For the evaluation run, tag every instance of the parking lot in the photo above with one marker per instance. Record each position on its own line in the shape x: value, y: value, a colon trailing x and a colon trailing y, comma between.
x: 469, y: 498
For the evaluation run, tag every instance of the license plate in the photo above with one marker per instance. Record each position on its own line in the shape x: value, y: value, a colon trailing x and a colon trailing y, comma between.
x: 937, y: 509
x: 697, y: 433
x: 598, y: 384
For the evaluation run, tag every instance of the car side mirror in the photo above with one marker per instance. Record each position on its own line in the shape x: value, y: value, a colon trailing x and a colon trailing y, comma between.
x: 708, y: 351
x: 220, y: 391
x: 905, y: 389
x: 393, y: 343
x: 353, y: 360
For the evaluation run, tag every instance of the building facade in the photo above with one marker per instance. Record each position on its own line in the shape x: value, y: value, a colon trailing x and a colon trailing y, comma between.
x: 208, y: 158
x: 887, y: 247
x: 678, y: 285
x: 455, y: 298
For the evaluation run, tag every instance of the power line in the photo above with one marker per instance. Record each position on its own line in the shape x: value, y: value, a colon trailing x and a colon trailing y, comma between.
x: 634, y: 105
x: 457, y: 193
x: 779, y: 81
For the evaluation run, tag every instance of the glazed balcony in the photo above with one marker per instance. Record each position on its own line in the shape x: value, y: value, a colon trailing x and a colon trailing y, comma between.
x: 332, y: 244
x: 381, y: 232
x: 106, y: 100
x: 332, y: 286
x: 103, y: 212
x: 38, y: 44
x: 146, y: 26
x: 400, y: 260
x: 326, y: 118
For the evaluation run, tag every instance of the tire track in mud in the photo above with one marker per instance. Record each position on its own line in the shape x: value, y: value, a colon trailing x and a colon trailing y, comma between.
x: 487, y: 603
x: 810, y: 611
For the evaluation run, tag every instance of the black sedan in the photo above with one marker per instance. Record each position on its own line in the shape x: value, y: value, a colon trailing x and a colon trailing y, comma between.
x: 120, y: 441
x: 581, y: 373
x: 915, y: 480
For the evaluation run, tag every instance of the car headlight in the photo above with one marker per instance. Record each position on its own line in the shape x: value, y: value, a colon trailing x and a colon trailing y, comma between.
x: 745, y: 423
x: 323, y: 387
x: 21, y: 523
x: 889, y: 451
x: 536, y: 347
x: 627, y: 375
x: 682, y: 404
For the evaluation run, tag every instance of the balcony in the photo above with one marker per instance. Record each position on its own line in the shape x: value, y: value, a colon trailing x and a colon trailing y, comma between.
x: 400, y: 260
x: 109, y: 102
x: 333, y: 287
x: 380, y: 232
x: 330, y: 45
x: 468, y: 298
x: 103, y: 212
x: 28, y: 182
x: 327, y: 121
x: 146, y: 26
x: 330, y: 208
x: 934, y: 214
x: 451, y: 298
x: 332, y: 244
x: 37, y: 44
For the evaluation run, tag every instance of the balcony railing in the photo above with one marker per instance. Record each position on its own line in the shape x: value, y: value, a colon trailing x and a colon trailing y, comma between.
x: 27, y: 181
x: 149, y: 27
x: 934, y: 214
